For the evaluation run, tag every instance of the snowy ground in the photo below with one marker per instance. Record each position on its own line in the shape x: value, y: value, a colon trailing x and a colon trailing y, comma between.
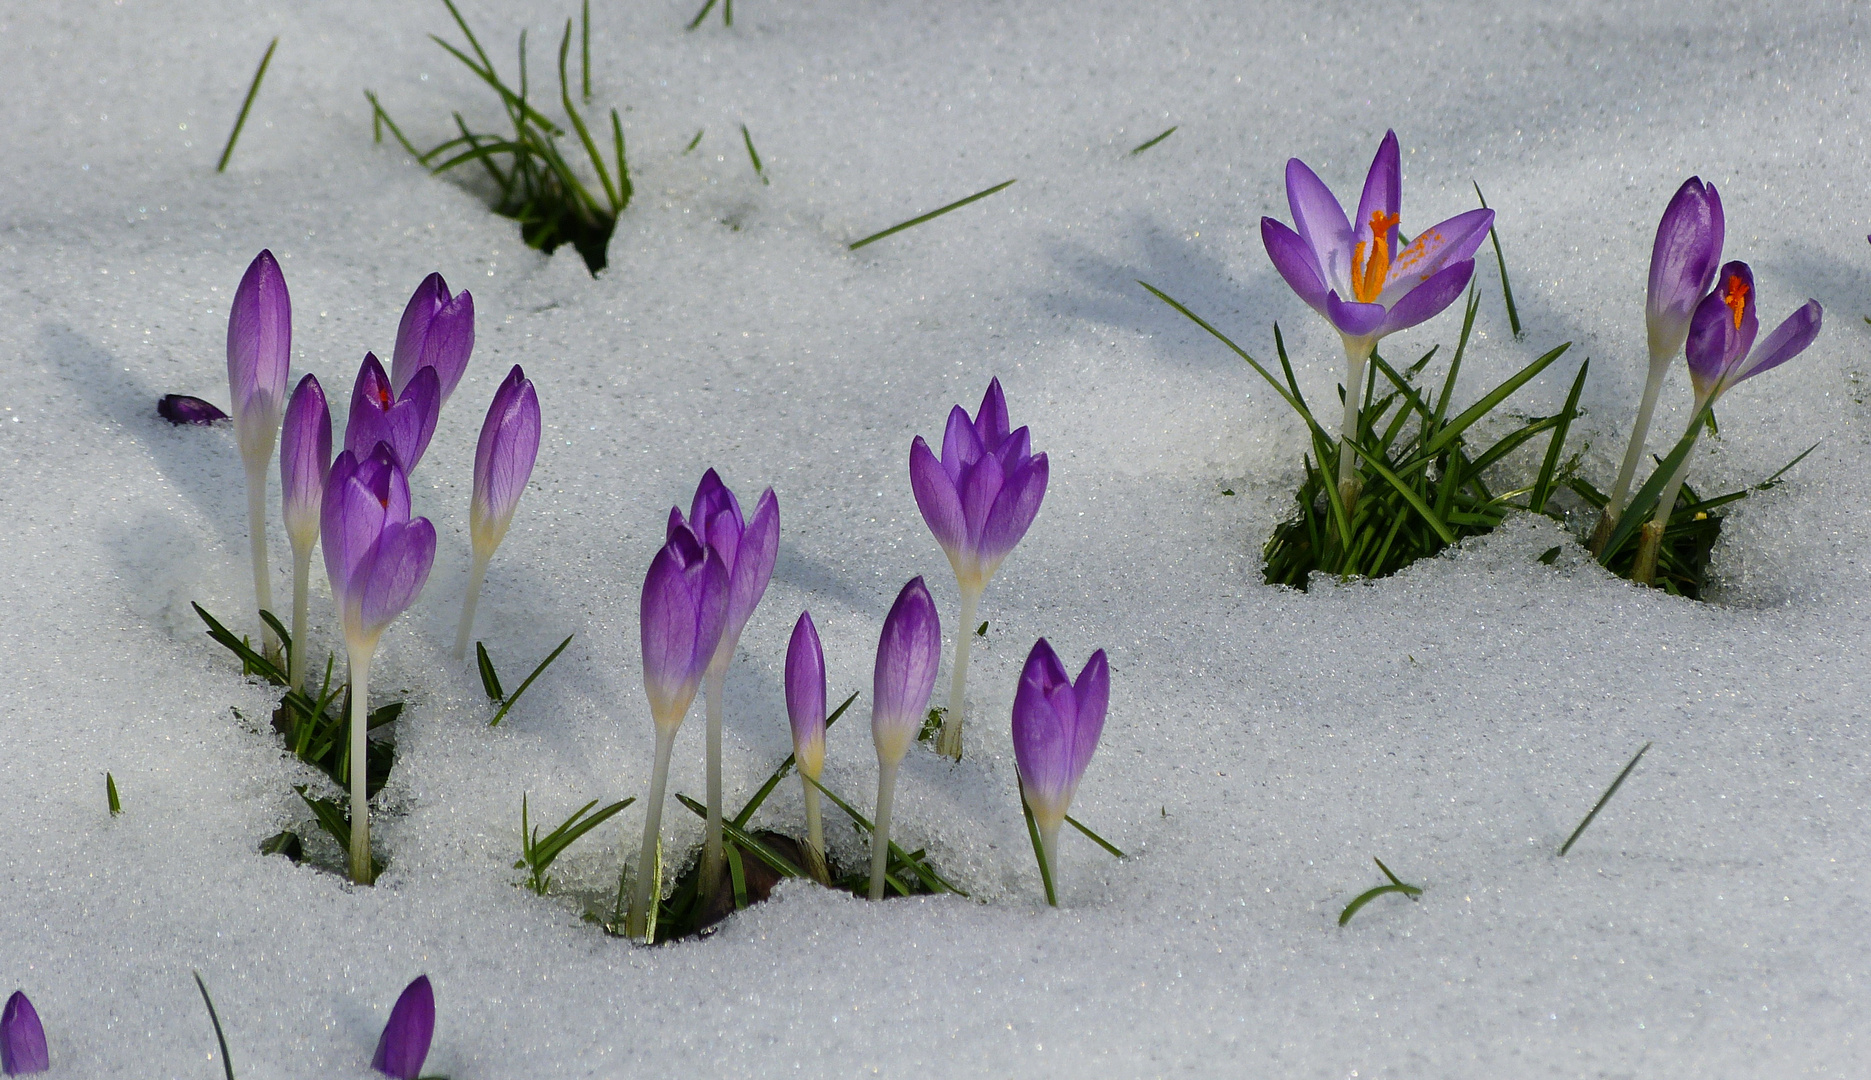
x: 1456, y: 720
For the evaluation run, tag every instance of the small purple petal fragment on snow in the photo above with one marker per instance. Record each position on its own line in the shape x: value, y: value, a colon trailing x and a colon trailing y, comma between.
x: 183, y: 409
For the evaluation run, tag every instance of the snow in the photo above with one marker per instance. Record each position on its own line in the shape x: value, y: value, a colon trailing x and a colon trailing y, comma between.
x: 1456, y: 720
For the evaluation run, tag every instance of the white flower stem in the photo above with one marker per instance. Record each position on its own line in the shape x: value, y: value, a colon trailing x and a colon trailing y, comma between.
x: 1048, y: 845
x: 1667, y: 501
x: 1357, y: 352
x: 948, y: 743
x: 636, y: 922
x: 360, y: 766
x: 475, y: 578
x: 880, y: 834
x: 301, y: 586
x: 256, y: 538
x: 815, y: 835
x: 1634, y: 453
x: 714, y: 681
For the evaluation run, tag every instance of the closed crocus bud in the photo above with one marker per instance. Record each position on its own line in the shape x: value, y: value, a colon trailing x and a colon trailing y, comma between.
x: 22, y: 1039
x: 181, y: 409
x: 1683, y: 260
x: 405, y: 422
x: 405, y: 1040
x: 259, y: 353
x: 503, y: 460
x: 805, y: 696
x: 304, y: 459
x: 437, y: 331
x: 908, y: 652
x: 684, y: 607
x: 1056, y: 723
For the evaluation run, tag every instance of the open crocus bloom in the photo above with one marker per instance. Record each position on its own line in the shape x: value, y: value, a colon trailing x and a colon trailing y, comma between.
x: 1359, y: 273
x: 1721, y: 335
x: 982, y: 494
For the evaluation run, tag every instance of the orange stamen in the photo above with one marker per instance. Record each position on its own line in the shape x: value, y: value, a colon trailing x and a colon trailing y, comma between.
x: 1736, y: 297
x: 384, y: 400
x: 1368, y: 277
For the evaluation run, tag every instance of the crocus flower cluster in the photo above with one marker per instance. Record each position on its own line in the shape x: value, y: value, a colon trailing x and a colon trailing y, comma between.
x: 22, y: 1039
x: 1360, y: 274
x: 978, y: 499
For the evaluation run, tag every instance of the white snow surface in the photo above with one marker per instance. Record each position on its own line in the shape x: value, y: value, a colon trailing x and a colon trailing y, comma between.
x: 1263, y: 744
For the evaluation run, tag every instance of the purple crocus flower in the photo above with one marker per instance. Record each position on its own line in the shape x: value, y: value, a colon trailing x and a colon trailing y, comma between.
x: 259, y: 353
x: 1056, y: 723
x: 805, y: 696
x: 437, y: 331
x: 405, y: 422
x: 908, y: 652
x: 304, y: 459
x: 684, y: 608
x: 746, y: 549
x: 405, y: 1040
x: 22, y: 1039
x: 182, y: 409
x: 503, y: 462
x: 1720, y: 345
x: 978, y: 500
x: 805, y: 708
x: 377, y: 559
x: 1359, y: 274
x: 1683, y: 259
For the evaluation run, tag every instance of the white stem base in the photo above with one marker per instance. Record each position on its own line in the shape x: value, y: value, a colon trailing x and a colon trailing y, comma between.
x: 360, y: 768
x: 880, y: 835
x: 1356, y: 354
x: 948, y: 743
x: 256, y: 541
x: 475, y: 578
x: 301, y: 588
x: 636, y: 922
x: 715, y: 681
x: 815, y: 836
x: 1640, y: 430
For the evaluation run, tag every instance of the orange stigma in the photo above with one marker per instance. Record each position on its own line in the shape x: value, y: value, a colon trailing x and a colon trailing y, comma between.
x: 384, y: 401
x: 1368, y: 277
x: 1736, y: 297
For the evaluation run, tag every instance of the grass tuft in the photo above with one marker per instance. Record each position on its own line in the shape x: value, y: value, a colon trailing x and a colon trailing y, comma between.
x: 253, y: 91
x: 931, y: 215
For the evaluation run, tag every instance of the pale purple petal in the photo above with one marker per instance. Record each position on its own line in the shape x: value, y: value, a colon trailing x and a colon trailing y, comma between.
x: 392, y: 575
x: 1434, y: 250
x: 1014, y: 510
x: 1295, y: 261
x: 1383, y: 193
x: 1719, y: 336
x: 1428, y: 299
x: 504, y: 457
x: 805, y: 683
x: 404, y: 1044
x: 1683, y: 260
x: 1093, y: 691
x: 937, y: 498
x: 753, y: 563
x: 980, y: 486
x: 304, y: 459
x: 413, y: 329
x: 1042, y: 738
x: 1320, y: 222
x: 1353, y: 319
x: 990, y: 420
x: 961, y: 444
x: 259, y: 353
x: 1787, y: 341
x: 1014, y: 449
x: 908, y: 653
x: 437, y: 331
x: 22, y: 1038
x: 683, y: 610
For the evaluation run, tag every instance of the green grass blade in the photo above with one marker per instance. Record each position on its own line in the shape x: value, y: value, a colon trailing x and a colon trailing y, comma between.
x: 754, y: 155
x: 568, y: 832
x: 1148, y: 143
x: 578, y: 122
x: 584, y: 46
x: 1095, y: 838
x: 1603, y: 799
x: 253, y: 91
x: 1543, y: 487
x: 702, y: 14
x: 737, y: 874
x: 227, y: 1063
x: 931, y: 215
x: 1455, y: 364
x: 1507, y: 289
x: 695, y: 142
x: 625, y: 188
x: 934, y: 880
x: 747, y: 812
x: 273, y: 623
x: 1372, y: 894
x: 780, y: 863
x: 1644, y: 503
x: 380, y: 119
x: 1479, y: 409
x: 110, y: 795
x: 1370, y: 459
x: 1039, y: 850
x: 250, y: 660
x: 490, y: 681
x: 508, y: 703
x: 1784, y: 469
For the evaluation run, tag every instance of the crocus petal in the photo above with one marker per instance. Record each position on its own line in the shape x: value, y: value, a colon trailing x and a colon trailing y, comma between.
x: 936, y: 497
x: 1015, y: 449
x: 392, y: 575
x: 371, y: 400
x: 412, y: 419
x: 805, y: 695
x: 961, y: 444
x: 1683, y: 259
x: 683, y: 609
x: 437, y: 330
x: 1320, y: 222
x: 1436, y: 248
x: 183, y: 409
x: 1718, y: 341
x: 1353, y: 319
x: 1428, y: 299
x: 1383, y: 192
x: 990, y: 420
x: 411, y: 331
x: 304, y: 459
x: 259, y: 353
x: 503, y: 459
x: 980, y: 486
x: 1093, y: 691
x: 1296, y: 262
x: 22, y: 1038
x: 1042, y: 737
x: 908, y: 653
x: 753, y: 564
x: 404, y: 1044
x: 1787, y: 341
x: 712, y: 500
x: 1013, y: 511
